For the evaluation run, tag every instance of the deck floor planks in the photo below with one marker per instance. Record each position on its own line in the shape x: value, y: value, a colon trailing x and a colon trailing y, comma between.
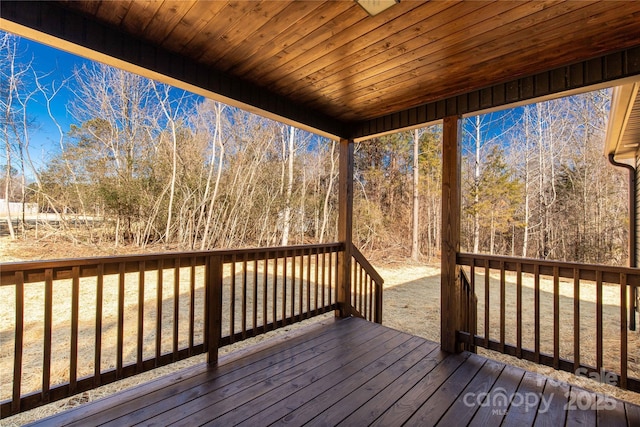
x: 404, y: 408
x: 525, y: 402
x: 344, y: 400
x: 633, y: 414
x: 439, y: 401
x: 554, y: 414
x: 492, y: 411
x: 331, y: 388
x: 350, y: 372
x: 310, y: 385
x: 584, y: 401
x: 371, y: 410
x: 204, y: 406
x: 610, y: 412
x: 125, y: 403
x: 464, y: 408
x: 231, y: 377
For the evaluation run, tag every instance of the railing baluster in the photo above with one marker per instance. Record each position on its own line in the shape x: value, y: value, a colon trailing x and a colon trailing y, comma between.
x: 192, y: 301
x: 255, y: 295
x: 176, y: 307
x: 317, y: 275
x: 473, y: 291
x: 274, y: 307
x: 308, y: 311
x: 536, y: 311
x: 370, y: 311
x: 120, y: 338
x: 518, y: 310
x: 556, y: 318
x: 48, y: 313
x: 244, y: 296
x: 159, y: 285
x: 576, y: 319
x: 73, y: 356
x: 97, y: 358
x: 140, y: 341
x: 599, y: 335
x: 623, y: 331
x: 293, y: 286
x: 284, y: 289
x: 324, y: 271
x: 487, y: 292
x: 18, y: 343
x: 502, y: 306
x: 265, y: 290
x: 232, y: 302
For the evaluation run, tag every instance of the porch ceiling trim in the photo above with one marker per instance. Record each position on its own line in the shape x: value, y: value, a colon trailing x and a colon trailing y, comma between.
x: 620, y: 67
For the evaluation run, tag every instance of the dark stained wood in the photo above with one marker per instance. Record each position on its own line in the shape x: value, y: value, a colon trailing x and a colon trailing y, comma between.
x: 555, y: 414
x: 46, y: 354
x: 347, y: 372
x: 526, y: 401
x: 97, y: 357
x: 438, y: 403
x: 73, y: 355
x: 140, y: 331
x: 345, y: 225
x: 599, y: 326
x: 461, y: 412
x: 623, y: 331
x: 372, y: 388
x: 556, y: 319
x: 450, y: 286
x: 496, y: 402
x: 576, y: 319
x: 19, y: 340
x: 328, y: 66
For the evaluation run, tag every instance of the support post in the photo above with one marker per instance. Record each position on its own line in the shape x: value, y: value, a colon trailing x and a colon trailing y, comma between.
x: 345, y: 226
x: 450, y: 285
x: 214, y: 307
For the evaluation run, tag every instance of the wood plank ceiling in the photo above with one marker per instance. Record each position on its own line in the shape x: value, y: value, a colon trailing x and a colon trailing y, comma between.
x: 333, y: 58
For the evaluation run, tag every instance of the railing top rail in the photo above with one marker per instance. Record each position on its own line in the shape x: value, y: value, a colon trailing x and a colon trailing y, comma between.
x: 63, y: 262
x: 464, y: 258
x: 366, y: 265
x: 7, y: 270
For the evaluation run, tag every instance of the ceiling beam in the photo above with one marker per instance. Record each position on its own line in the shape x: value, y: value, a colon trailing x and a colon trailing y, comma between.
x: 608, y: 70
x: 52, y: 24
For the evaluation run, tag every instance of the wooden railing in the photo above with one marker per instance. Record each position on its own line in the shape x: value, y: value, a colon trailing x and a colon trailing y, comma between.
x: 366, y: 288
x: 468, y: 306
x: 81, y: 323
x: 573, y: 317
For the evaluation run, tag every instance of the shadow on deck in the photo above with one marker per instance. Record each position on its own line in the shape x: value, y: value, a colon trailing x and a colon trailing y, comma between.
x: 353, y: 373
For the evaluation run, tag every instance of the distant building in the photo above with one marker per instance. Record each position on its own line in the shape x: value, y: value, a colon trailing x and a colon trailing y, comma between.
x: 16, y: 208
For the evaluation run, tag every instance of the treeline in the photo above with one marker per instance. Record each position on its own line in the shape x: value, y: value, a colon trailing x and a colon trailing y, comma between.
x: 144, y: 163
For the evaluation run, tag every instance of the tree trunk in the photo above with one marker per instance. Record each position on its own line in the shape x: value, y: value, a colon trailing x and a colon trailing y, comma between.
x: 415, y: 248
x: 287, y: 208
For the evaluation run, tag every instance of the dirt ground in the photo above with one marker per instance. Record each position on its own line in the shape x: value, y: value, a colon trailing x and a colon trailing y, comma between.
x: 411, y: 304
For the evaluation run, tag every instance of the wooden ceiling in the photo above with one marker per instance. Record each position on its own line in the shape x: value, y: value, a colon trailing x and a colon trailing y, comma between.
x: 332, y: 58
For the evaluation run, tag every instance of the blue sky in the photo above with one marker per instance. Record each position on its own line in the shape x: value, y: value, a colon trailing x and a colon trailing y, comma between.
x: 52, y: 65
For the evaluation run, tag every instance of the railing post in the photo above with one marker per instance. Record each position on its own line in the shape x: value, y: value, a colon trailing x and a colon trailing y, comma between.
x: 450, y: 274
x: 345, y: 226
x: 213, y: 313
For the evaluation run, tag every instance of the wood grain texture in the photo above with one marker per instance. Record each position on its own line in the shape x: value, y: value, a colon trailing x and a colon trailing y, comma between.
x: 336, y: 68
x: 349, y: 372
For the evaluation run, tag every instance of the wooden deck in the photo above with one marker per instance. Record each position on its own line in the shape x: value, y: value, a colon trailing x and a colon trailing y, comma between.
x: 352, y: 373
